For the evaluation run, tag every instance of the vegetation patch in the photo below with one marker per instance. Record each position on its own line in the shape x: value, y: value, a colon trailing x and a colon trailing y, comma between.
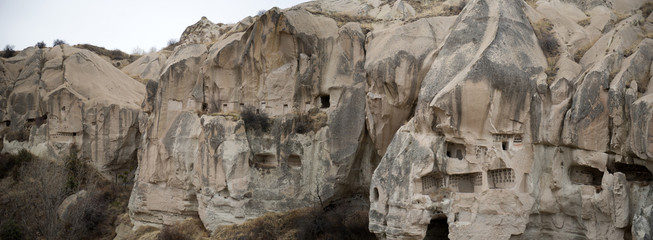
x: 111, y: 54
x: 30, y: 206
x: 585, y: 22
x: 255, y: 119
x: 8, y: 51
x: 647, y: 8
x: 549, y: 45
x: 184, y: 230
x: 312, y: 121
x: 341, y: 220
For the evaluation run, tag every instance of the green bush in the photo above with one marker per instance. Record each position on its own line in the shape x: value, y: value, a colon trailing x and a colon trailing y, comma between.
x: 40, y: 44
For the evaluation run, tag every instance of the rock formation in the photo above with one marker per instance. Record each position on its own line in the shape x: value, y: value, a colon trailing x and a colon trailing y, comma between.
x: 62, y: 96
x: 480, y: 119
x: 496, y: 151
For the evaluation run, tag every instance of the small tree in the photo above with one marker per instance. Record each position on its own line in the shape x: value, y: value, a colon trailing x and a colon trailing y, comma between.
x: 138, y: 51
x: 8, y: 51
x: 40, y: 44
x: 58, y: 42
x: 172, y: 42
x: 75, y: 169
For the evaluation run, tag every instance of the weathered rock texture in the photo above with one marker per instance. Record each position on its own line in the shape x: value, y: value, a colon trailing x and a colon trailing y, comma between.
x: 55, y: 97
x: 486, y: 130
x: 480, y: 119
x: 495, y: 151
x: 199, y: 158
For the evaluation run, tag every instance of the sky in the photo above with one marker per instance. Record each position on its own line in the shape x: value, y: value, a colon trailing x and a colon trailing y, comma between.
x: 116, y: 24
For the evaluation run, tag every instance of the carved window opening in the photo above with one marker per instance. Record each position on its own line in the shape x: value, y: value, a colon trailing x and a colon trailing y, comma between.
x: 263, y: 106
x: 465, y: 183
x: 432, y: 182
x: 454, y: 150
x: 634, y: 172
x: 517, y: 139
x: 325, y: 101
x: 376, y: 194
x: 584, y: 175
x: 501, y: 178
x: 265, y: 160
x: 504, y: 146
x: 294, y: 161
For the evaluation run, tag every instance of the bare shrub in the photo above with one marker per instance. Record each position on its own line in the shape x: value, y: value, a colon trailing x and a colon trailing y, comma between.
x: 8, y: 51
x: 33, y: 199
x: 546, y: 38
x: 172, y: 232
x: 11, y: 163
x: 40, y: 44
x: 172, y: 43
x: 10, y: 231
x: 115, y: 54
x: 255, y: 120
x: 58, y: 42
x: 345, y: 219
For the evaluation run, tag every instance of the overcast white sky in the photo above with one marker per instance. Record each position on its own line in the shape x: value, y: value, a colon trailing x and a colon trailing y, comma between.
x: 121, y: 24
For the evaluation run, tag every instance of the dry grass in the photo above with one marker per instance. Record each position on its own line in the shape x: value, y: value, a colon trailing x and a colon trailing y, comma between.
x: 185, y: 230
x: 31, y: 199
x: 112, y: 54
x: 550, y: 46
x: 532, y: 3
x: 268, y: 226
x: 649, y: 35
x: 581, y: 52
x: 585, y: 22
x: 647, y: 8
x: 347, y: 219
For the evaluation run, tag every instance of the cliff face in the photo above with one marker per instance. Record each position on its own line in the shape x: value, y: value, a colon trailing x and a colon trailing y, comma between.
x: 62, y: 96
x: 486, y: 119
x: 502, y: 147
x: 305, y: 74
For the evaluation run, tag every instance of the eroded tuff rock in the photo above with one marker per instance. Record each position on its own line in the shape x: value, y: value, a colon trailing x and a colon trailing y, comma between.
x: 55, y: 97
x: 147, y: 67
x: 199, y: 158
x: 483, y: 133
x: 494, y: 151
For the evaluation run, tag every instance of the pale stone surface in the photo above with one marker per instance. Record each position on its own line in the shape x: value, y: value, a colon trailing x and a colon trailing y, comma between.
x: 147, y: 67
x: 481, y: 136
x: 59, y: 96
x: 199, y: 159
x: 568, y: 143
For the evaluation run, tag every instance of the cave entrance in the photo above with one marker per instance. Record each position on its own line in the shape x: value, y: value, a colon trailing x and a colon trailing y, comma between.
x: 437, y: 229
